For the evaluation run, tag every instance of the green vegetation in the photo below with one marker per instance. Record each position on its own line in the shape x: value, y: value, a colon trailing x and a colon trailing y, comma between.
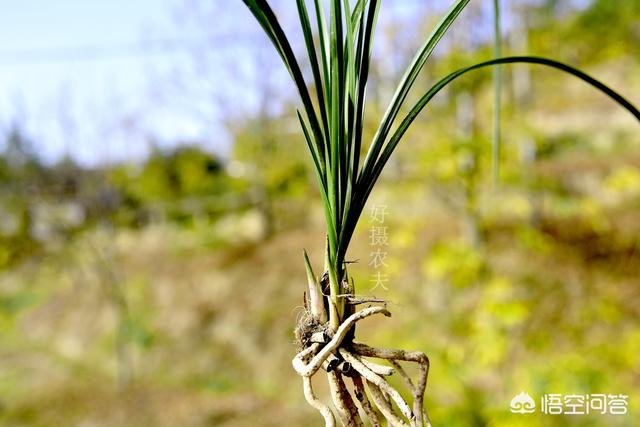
x: 333, y: 130
x: 164, y: 292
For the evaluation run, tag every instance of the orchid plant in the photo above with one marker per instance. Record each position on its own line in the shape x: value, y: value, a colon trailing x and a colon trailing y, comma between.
x: 339, y: 49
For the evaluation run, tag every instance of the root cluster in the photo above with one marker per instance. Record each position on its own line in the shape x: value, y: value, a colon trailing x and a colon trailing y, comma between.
x: 307, y: 329
x: 370, y: 394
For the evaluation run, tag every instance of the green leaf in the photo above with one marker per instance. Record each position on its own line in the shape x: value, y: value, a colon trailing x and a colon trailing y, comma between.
x: 405, y: 85
x: 364, y: 46
x: 358, y: 11
x: 336, y: 140
x: 324, y: 47
x: 399, y: 133
x: 350, y: 99
x: 315, y: 67
x: 319, y: 167
x: 267, y: 19
x: 334, y: 133
x: 390, y: 115
x: 332, y: 234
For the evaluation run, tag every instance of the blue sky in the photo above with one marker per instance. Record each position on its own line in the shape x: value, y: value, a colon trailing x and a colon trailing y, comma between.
x: 97, y: 79
x: 71, y: 73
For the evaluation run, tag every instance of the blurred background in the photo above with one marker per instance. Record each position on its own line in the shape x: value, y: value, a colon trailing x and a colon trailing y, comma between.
x: 156, y: 195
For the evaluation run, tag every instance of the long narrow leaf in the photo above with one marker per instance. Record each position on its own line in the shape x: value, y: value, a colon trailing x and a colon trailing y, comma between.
x: 267, y: 19
x: 336, y: 141
x: 356, y: 209
x: 365, y: 50
x: 350, y: 50
x: 507, y: 60
x: 365, y: 46
x: 317, y: 164
x: 358, y: 11
x: 315, y: 67
x: 407, y: 81
x: 324, y: 47
x: 332, y: 234
x: 349, y: 76
x: 350, y: 72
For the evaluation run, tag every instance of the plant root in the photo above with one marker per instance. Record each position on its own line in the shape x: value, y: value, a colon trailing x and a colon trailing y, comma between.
x: 361, y: 395
x: 340, y: 357
x: 307, y: 330
x: 380, y: 382
x: 409, y: 356
x: 325, y: 411
x: 385, y: 407
x: 306, y: 370
x: 347, y: 410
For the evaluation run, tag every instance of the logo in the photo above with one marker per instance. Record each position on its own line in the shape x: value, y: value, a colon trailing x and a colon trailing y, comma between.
x: 572, y: 404
x: 523, y: 404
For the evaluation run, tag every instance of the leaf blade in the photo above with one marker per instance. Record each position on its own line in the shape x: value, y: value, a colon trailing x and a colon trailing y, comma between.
x: 269, y: 22
x: 407, y: 82
x: 365, y: 191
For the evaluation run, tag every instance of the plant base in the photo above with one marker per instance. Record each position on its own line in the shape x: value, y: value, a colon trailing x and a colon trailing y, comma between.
x: 343, y: 359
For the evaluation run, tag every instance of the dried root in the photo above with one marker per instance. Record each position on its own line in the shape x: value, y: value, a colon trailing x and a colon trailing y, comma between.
x: 307, y: 328
x: 340, y: 358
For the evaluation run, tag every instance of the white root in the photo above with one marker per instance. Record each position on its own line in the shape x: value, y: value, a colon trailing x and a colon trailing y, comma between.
x: 380, y: 382
x: 382, y: 370
x: 306, y: 370
x: 361, y: 395
x: 298, y: 359
x: 347, y: 410
x: 385, y: 407
x: 403, y: 374
x: 360, y: 369
x: 408, y: 356
x: 325, y: 411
